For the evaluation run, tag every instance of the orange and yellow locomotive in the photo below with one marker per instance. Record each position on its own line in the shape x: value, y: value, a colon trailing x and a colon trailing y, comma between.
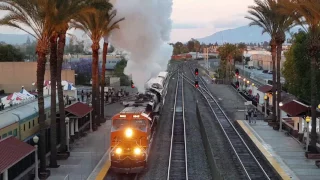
x: 131, y: 136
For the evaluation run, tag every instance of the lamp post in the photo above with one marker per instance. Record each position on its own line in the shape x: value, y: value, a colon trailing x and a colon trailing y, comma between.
x: 67, y: 132
x: 265, y: 105
x: 90, y: 118
x: 35, y: 140
x: 308, y: 119
x: 244, y: 83
x: 252, y: 85
x: 280, y: 118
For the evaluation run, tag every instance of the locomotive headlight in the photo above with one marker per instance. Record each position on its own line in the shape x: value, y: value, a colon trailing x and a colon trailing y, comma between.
x: 118, y: 151
x: 129, y: 132
x: 137, y: 151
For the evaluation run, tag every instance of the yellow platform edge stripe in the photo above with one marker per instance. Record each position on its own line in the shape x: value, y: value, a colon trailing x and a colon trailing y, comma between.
x: 274, y: 163
x: 104, y: 170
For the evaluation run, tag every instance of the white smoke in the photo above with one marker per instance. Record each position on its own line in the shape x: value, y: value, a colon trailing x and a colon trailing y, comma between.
x: 144, y: 33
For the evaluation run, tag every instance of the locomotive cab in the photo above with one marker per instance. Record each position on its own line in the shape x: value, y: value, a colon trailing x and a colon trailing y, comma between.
x: 130, y: 140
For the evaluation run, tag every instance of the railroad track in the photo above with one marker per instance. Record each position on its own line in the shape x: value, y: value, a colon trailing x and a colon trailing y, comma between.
x: 177, y: 168
x: 252, y: 168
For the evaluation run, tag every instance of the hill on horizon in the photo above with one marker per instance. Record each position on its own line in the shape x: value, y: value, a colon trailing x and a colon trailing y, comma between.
x: 246, y: 34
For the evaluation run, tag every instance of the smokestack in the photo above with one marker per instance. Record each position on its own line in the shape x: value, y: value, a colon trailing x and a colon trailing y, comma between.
x: 144, y: 34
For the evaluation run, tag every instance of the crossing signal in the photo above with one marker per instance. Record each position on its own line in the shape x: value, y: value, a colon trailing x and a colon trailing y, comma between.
x: 237, y: 72
x: 196, y: 84
x: 196, y: 72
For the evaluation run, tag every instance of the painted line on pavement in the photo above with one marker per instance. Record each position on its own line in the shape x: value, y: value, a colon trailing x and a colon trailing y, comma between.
x: 101, y: 169
x: 268, y: 155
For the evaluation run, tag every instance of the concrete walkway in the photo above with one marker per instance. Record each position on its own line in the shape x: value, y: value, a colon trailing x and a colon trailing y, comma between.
x: 283, y: 152
x: 85, y: 153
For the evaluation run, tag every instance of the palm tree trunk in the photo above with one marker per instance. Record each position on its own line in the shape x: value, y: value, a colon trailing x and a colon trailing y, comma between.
x: 274, y: 85
x: 313, y: 136
x: 95, y: 70
x: 98, y: 94
x: 103, y: 75
x: 53, y: 118
x: 61, y: 45
x: 40, y: 79
x: 279, y: 50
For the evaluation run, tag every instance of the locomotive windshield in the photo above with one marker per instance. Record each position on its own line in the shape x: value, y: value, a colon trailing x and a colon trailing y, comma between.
x: 139, y: 124
x: 119, y: 123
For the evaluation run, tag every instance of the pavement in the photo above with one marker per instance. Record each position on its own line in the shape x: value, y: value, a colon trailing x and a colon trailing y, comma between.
x: 284, y: 153
x: 85, y: 153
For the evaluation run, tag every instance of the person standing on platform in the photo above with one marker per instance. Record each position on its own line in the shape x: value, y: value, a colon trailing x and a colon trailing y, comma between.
x: 82, y: 96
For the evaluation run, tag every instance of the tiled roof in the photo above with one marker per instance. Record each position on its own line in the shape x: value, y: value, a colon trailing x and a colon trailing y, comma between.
x: 294, y: 108
x: 79, y: 109
x: 12, y: 151
x: 265, y: 88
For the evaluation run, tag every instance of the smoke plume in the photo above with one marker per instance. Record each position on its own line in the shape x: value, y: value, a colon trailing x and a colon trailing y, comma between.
x: 144, y: 34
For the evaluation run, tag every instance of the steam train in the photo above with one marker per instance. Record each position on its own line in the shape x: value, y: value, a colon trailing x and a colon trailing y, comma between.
x: 133, y: 128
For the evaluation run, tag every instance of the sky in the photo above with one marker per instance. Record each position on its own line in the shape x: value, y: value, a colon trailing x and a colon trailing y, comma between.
x: 196, y: 18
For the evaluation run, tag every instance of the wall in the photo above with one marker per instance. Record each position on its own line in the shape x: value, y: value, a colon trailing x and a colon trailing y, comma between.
x: 13, y: 75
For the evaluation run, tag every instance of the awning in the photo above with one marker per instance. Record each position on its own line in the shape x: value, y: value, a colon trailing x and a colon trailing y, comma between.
x: 294, y: 108
x: 265, y: 88
x: 12, y: 150
x: 79, y: 109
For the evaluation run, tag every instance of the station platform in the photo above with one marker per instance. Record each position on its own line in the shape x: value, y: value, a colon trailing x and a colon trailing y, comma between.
x: 283, y: 152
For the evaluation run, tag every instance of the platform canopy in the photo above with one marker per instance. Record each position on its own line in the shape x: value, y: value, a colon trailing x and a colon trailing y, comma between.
x: 12, y: 150
x: 79, y: 109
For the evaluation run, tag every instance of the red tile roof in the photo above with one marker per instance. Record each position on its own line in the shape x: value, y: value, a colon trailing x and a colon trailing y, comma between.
x: 265, y: 88
x: 12, y: 150
x: 79, y: 109
x: 294, y: 108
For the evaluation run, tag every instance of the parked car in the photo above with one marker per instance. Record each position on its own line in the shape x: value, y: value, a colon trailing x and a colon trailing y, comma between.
x: 265, y: 71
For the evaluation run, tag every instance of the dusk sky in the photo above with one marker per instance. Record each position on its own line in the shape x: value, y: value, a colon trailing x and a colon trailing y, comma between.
x: 198, y: 18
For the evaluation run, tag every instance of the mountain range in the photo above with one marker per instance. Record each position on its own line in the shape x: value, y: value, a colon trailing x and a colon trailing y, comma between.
x: 246, y: 34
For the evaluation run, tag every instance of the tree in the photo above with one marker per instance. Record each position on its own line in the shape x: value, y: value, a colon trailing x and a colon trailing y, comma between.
x: 263, y: 16
x: 309, y: 10
x: 229, y: 53
x: 67, y: 10
x: 36, y: 15
x: 9, y: 53
x: 108, y: 27
x: 94, y: 24
x: 190, y: 45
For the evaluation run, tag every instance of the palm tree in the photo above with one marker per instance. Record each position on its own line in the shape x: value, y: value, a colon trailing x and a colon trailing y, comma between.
x: 67, y: 9
x: 53, y: 117
x: 110, y: 26
x: 309, y: 11
x: 263, y: 15
x: 96, y: 25
x: 34, y: 14
x: 284, y: 24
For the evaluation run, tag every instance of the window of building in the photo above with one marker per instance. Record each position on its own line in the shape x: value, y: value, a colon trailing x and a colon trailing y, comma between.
x: 38, y: 120
x: 15, y: 132
x: 10, y: 133
x: 24, y: 127
x: 29, y: 124
x: 32, y: 122
x: 4, y: 135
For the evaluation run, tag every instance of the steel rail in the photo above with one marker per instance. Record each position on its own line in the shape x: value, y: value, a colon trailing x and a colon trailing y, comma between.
x: 239, y: 147
x: 177, y: 167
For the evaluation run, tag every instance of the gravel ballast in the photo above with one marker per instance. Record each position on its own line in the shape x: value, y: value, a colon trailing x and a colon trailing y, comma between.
x: 197, y: 160
x: 157, y: 167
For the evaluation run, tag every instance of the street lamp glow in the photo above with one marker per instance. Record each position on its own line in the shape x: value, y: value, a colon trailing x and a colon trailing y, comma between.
x: 280, y: 104
x: 248, y: 82
x: 252, y: 84
x: 35, y: 139
x: 244, y: 79
x: 319, y: 106
x: 239, y: 77
x: 265, y: 97
x: 308, y: 119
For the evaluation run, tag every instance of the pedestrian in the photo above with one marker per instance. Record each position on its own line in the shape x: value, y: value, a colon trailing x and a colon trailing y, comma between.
x: 249, y: 115
x: 82, y: 96
x: 255, y: 115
